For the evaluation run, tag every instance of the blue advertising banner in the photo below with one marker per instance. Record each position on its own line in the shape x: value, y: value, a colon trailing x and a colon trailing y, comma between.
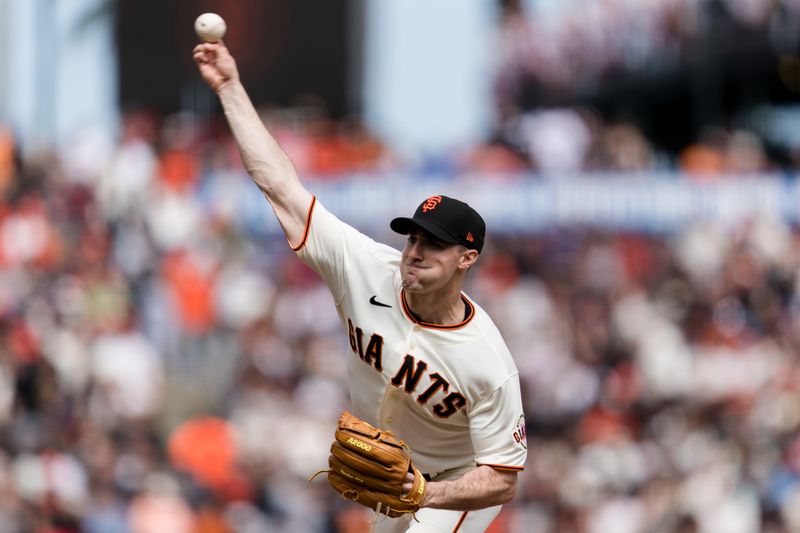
x: 531, y: 203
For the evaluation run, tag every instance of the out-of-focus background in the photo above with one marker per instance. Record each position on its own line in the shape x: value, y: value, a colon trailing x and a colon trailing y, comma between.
x: 167, y: 364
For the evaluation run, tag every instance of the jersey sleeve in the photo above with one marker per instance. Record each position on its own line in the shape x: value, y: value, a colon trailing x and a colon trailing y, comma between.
x: 328, y: 246
x: 497, y: 428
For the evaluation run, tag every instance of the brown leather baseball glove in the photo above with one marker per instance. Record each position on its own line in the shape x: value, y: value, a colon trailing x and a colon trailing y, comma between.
x: 369, y: 466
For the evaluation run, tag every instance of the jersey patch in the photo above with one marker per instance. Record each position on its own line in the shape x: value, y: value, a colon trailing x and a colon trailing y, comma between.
x: 520, y: 436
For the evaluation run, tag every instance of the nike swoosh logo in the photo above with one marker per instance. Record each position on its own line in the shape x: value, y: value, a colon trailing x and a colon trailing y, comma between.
x: 373, y: 301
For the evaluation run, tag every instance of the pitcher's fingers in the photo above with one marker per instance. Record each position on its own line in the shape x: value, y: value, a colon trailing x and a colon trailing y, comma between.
x: 206, y: 47
x: 200, y: 58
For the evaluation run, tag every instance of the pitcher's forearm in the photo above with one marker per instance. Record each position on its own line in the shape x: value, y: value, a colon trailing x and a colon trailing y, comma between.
x: 263, y: 158
x: 265, y: 161
x: 478, y: 489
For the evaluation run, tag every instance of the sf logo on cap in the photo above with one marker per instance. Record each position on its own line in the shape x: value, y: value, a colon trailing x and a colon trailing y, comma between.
x: 431, y: 203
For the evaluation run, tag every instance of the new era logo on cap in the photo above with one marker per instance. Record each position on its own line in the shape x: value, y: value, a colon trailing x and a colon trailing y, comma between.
x: 447, y: 219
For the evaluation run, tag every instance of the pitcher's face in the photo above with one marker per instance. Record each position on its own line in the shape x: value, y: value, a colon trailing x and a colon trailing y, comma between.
x: 428, y: 263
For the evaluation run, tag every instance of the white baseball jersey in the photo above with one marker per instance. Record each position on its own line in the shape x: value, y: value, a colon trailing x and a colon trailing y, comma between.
x: 451, y: 392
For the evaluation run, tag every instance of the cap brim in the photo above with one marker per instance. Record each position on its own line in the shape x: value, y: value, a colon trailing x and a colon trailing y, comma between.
x: 404, y: 225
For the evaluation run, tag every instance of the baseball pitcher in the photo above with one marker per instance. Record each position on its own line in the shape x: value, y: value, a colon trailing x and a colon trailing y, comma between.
x: 436, y: 435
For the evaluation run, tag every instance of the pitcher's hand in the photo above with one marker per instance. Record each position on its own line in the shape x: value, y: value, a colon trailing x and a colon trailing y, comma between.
x: 408, y: 483
x: 216, y: 64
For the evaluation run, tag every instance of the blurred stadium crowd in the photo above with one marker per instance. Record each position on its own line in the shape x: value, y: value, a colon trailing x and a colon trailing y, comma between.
x: 167, y: 365
x: 570, y: 51
x: 571, y: 44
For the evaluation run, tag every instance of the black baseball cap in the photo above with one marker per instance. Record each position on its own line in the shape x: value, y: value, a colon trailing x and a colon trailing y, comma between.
x: 447, y: 219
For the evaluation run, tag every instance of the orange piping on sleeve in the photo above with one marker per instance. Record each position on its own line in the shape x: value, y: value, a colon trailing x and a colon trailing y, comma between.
x: 504, y: 467
x: 302, y: 243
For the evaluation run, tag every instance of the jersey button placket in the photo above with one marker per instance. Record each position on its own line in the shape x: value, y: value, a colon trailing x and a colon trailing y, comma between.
x: 389, y: 402
x: 387, y: 406
x: 412, y: 343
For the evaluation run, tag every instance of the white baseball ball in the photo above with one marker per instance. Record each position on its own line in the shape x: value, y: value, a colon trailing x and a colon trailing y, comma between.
x: 210, y: 27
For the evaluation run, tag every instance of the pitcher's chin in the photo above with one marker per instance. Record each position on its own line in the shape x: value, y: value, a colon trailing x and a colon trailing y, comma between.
x: 411, y: 284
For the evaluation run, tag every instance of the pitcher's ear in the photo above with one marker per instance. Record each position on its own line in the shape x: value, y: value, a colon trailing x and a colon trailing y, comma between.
x: 468, y: 258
